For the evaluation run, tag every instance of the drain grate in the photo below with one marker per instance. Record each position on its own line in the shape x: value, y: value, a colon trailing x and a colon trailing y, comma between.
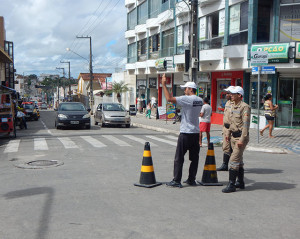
x: 43, y: 163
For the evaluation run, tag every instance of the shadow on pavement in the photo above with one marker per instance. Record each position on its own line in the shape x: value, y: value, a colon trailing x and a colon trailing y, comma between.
x: 270, y: 186
x: 263, y: 170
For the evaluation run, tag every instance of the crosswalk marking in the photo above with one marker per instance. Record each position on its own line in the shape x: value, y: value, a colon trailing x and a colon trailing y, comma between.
x: 67, y: 142
x: 162, y: 140
x: 40, y: 144
x: 172, y: 137
x: 96, y: 143
x: 13, y: 146
x: 116, y: 140
x: 139, y: 140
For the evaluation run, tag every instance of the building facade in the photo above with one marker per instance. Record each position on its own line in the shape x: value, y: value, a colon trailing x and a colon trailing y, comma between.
x: 158, y: 33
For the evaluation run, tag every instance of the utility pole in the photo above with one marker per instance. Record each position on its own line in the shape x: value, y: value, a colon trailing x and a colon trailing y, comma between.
x: 91, y: 73
x: 194, y: 42
x: 69, y: 78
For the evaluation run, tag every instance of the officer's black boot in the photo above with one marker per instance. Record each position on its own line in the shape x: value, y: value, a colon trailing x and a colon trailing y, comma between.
x: 224, y: 166
x: 240, y: 181
x: 231, y: 185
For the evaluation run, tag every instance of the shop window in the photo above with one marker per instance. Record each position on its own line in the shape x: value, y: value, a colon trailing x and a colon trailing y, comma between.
x: 289, y: 21
x: 183, y: 32
x: 238, y: 26
x: 167, y: 43
x: 265, y: 87
x: 131, y: 20
x: 142, y: 13
x: 221, y: 94
x: 131, y: 53
x: 211, y: 30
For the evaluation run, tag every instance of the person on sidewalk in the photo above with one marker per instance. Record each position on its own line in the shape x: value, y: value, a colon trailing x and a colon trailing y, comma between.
x: 227, y: 150
x: 148, y: 115
x: 238, y: 135
x: 188, y: 138
x: 269, y: 114
x: 205, y: 116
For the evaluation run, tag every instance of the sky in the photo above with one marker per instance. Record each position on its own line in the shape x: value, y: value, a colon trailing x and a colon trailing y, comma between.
x: 42, y: 30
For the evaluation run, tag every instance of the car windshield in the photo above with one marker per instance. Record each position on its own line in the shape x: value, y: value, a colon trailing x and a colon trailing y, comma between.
x: 113, y: 107
x: 28, y: 107
x: 71, y: 107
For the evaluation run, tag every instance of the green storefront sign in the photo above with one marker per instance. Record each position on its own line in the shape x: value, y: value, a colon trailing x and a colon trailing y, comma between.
x: 278, y: 53
x: 297, y: 53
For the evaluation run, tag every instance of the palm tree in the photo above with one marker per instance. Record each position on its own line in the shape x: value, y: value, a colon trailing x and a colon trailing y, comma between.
x: 119, y: 88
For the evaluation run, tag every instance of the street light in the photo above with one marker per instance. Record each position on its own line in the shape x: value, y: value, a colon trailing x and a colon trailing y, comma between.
x: 60, y: 68
x: 69, y: 78
x: 91, y: 73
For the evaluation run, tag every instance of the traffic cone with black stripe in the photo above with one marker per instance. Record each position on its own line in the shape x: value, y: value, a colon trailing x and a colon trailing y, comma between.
x: 147, y: 178
x: 210, y: 177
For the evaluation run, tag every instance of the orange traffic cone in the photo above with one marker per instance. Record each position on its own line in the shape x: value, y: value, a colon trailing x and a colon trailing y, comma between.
x: 147, y: 178
x: 209, y: 177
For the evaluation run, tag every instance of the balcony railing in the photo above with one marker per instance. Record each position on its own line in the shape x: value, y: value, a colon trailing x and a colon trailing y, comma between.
x: 167, y: 52
x: 142, y: 57
x: 181, y: 49
x: 154, y: 55
x: 214, y: 43
x: 131, y: 59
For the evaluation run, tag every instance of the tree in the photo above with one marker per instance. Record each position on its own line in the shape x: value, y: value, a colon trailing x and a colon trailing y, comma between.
x: 118, y: 88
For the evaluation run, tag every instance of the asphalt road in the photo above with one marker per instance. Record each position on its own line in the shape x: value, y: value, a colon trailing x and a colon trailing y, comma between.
x: 91, y: 194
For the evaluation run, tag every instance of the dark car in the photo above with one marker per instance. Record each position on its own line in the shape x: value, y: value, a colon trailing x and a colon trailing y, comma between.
x: 112, y: 114
x: 72, y: 114
x: 30, y: 111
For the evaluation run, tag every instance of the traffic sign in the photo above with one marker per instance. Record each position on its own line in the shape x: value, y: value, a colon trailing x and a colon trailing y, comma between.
x: 268, y: 70
x: 259, y: 58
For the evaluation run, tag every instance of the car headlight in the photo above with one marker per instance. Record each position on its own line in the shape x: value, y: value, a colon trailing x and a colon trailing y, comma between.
x: 86, y: 116
x: 62, y: 116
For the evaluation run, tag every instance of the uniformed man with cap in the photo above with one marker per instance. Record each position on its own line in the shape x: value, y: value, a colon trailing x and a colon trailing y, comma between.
x: 226, y: 145
x: 238, y: 135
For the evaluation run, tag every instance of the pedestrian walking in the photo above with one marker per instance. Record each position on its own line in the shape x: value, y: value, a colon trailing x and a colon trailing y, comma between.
x: 238, y: 135
x: 269, y: 114
x: 226, y: 146
x: 148, y: 115
x: 205, y: 117
x: 188, y: 139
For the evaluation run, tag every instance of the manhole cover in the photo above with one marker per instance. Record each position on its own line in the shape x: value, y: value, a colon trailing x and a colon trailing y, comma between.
x: 42, y: 163
x: 39, y: 164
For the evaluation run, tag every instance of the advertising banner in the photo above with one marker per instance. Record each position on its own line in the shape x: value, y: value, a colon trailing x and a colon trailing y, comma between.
x: 277, y: 53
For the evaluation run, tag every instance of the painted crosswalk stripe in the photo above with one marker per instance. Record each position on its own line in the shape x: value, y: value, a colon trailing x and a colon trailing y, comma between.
x: 96, y: 143
x: 162, y: 140
x: 13, y: 146
x: 67, y: 142
x: 40, y: 144
x: 116, y: 140
x: 139, y: 140
x: 172, y: 137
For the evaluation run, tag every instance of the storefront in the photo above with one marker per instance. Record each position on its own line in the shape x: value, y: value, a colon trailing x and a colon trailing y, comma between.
x: 219, y: 82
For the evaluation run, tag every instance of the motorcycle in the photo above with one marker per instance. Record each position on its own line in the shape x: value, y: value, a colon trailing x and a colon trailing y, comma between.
x: 177, y: 116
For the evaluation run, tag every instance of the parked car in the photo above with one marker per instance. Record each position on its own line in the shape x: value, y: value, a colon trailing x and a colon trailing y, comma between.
x: 72, y: 114
x: 30, y: 111
x: 112, y: 114
x: 44, y: 106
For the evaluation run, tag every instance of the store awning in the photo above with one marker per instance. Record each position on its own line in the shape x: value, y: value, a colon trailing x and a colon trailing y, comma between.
x: 4, y: 57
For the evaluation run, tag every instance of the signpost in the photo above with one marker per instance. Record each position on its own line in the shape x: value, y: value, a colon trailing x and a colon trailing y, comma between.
x: 258, y: 59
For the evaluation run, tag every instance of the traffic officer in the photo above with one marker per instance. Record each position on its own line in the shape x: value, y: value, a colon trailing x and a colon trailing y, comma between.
x: 226, y: 123
x: 238, y: 135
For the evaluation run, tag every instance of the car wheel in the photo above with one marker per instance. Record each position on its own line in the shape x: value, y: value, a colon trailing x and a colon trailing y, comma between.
x: 103, y: 124
x: 128, y: 126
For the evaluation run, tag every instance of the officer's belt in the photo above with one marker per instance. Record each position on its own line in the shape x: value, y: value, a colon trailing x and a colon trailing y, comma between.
x: 227, y: 126
x: 236, y: 134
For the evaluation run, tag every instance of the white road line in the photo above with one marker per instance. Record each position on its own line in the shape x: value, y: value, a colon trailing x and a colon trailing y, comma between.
x: 162, y: 140
x: 139, y: 140
x: 96, y: 143
x: 172, y: 137
x: 116, y: 140
x: 13, y: 146
x: 46, y: 127
x: 40, y: 144
x: 67, y: 142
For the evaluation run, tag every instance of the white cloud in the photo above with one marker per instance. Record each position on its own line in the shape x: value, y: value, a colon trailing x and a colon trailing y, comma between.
x: 42, y: 30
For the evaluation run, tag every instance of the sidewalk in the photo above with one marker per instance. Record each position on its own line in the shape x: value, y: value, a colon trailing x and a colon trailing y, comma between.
x: 286, y: 141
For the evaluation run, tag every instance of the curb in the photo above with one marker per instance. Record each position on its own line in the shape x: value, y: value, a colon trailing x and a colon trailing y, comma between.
x: 155, y: 128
